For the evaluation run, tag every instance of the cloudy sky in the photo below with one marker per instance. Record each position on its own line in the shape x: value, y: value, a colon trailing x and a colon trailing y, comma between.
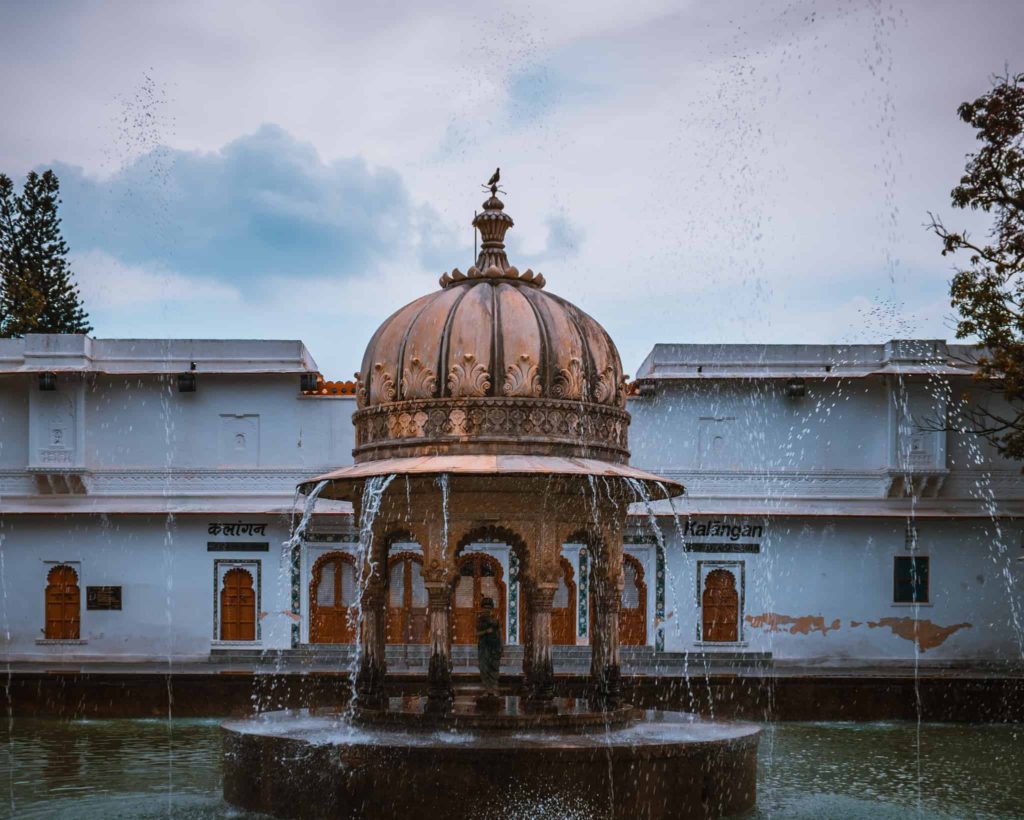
x: 684, y: 171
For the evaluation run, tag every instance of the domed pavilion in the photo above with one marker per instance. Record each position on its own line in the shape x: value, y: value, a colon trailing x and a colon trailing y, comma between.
x: 492, y: 408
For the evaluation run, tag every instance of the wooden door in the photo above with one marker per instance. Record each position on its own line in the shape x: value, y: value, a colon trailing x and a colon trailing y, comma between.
x: 237, y: 606
x: 720, y: 607
x: 479, y: 578
x: 563, y: 608
x: 633, y: 607
x: 332, y: 599
x: 407, y: 600
x: 63, y: 604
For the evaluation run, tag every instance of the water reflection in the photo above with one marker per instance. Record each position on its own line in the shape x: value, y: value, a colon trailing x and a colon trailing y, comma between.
x: 155, y: 768
x: 112, y: 768
x: 855, y: 770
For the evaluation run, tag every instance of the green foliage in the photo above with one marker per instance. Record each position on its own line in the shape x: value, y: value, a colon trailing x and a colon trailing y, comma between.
x: 989, y: 292
x: 37, y: 292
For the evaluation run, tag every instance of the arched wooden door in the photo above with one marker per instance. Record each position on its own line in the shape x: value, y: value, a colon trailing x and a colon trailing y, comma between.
x: 407, y: 599
x: 720, y: 609
x: 563, y: 608
x: 332, y: 599
x: 479, y: 578
x: 63, y: 604
x: 237, y: 606
x: 633, y: 608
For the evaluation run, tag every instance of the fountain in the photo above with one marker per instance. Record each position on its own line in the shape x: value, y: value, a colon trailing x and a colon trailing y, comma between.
x: 501, y: 408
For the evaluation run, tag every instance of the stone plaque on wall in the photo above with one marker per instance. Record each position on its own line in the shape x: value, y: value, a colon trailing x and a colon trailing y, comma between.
x: 105, y: 597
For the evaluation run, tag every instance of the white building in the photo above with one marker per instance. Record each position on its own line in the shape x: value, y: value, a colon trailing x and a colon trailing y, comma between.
x: 146, y: 492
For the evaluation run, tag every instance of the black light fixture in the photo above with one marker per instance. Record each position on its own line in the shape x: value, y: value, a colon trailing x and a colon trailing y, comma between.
x: 47, y: 381
x: 796, y: 388
x: 648, y: 388
x: 187, y: 381
x: 308, y: 382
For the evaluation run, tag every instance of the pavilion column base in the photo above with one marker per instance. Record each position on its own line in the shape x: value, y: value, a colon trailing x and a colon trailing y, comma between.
x: 440, y: 693
x: 605, y: 671
x: 372, y: 670
x: 606, y: 688
x: 540, y: 679
x: 370, y: 692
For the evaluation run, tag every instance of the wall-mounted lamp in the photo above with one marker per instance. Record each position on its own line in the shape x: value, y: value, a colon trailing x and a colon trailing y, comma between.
x: 47, y: 381
x: 308, y: 382
x: 187, y: 382
x: 647, y: 388
x: 796, y: 388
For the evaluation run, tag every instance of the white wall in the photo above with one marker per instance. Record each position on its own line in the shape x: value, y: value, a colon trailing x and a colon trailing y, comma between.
x: 166, y: 575
x: 841, y: 570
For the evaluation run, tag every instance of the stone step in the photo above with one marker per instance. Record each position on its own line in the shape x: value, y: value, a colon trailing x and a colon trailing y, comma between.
x: 564, y: 657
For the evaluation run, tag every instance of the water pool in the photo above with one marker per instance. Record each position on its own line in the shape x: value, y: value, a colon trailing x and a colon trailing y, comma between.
x: 161, y: 768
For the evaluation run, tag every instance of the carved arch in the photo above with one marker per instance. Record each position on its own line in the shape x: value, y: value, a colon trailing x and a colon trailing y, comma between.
x: 382, y: 543
x: 633, y: 619
x: 406, y: 616
x: 331, y: 623
x: 476, y: 571
x: 496, y: 532
x: 606, y: 563
x: 63, y: 604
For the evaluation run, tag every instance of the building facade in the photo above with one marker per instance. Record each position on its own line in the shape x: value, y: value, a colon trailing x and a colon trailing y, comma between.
x: 833, y: 514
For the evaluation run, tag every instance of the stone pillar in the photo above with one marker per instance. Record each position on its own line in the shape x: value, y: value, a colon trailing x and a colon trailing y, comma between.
x: 526, y: 617
x: 372, y: 665
x: 541, y: 678
x: 439, y: 672
x: 605, y: 674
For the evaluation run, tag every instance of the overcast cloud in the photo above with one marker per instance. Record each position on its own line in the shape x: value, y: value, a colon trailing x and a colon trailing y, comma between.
x: 684, y: 171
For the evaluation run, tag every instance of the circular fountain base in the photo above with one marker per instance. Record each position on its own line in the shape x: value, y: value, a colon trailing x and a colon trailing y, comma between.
x: 653, y: 764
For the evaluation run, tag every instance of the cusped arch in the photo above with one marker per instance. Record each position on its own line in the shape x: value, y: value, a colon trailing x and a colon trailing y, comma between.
x: 605, y: 562
x: 378, y: 555
x: 478, y: 576
x: 330, y: 608
x: 633, y: 607
x: 407, y: 599
x: 63, y: 604
x: 490, y: 532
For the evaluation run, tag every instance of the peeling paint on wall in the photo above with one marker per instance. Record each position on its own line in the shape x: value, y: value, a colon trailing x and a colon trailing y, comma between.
x: 928, y: 635
x: 797, y: 625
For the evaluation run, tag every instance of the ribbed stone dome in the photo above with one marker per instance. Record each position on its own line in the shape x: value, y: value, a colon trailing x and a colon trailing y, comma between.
x: 491, y: 363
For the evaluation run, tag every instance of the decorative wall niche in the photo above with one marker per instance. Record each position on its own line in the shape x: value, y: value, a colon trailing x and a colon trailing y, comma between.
x: 716, y: 442
x: 239, y: 443
x: 234, y: 603
x: 720, y: 601
x: 56, y: 420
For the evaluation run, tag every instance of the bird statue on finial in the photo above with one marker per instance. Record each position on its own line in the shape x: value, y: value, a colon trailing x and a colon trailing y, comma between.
x: 492, y: 183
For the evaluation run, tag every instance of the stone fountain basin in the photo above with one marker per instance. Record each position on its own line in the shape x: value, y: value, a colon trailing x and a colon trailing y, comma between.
x: 508, y: 714
x: 318, y: 763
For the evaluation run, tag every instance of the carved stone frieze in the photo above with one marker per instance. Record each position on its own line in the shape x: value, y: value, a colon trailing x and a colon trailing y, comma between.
x: 382, y: 384
x: 522, y: 378
x: 468, y: 378
x: 418, y: 380
x: 571, y: 381
x: 411, y: 427
x: 605, y: 389
x: 360, y: 391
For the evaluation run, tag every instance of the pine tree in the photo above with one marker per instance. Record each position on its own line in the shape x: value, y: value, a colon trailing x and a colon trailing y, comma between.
x: 37, y: 292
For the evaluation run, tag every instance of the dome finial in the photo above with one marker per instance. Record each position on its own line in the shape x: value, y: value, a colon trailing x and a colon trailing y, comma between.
x: 492, y: 223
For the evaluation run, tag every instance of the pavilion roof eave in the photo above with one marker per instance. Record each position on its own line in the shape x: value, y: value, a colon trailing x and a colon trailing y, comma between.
x: 342, y: 482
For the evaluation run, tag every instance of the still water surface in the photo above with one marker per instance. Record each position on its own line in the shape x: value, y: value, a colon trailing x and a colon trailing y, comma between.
x: 159, y: 768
